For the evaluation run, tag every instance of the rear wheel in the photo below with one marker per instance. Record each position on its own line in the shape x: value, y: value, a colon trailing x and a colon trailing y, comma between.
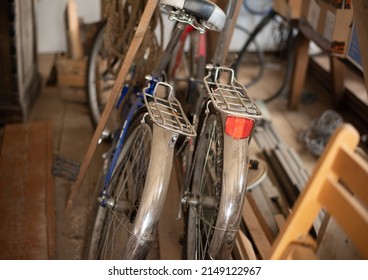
x: 206, y: 187
x: 101, y: 73
x: 113, y: 223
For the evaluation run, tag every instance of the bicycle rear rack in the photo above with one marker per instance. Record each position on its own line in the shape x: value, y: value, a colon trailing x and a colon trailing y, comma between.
x: 228, y: 95
x: 165, y: 110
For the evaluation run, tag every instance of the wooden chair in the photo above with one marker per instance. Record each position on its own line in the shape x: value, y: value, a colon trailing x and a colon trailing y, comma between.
x: 339, y: 185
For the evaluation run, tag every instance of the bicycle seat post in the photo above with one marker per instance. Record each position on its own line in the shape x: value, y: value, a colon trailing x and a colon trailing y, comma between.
x: 169, y: 50
x: 201, y: 14
x: 224, y: 34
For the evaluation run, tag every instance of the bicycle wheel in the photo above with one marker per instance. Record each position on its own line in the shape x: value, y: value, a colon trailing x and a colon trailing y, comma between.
x: 206, y: 186
x: 113, y: 223
x: 101, y: 73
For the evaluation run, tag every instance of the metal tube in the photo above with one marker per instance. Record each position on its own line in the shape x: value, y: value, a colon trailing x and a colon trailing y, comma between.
x: 224, y: 34
x: 154, y: 194
x: 169, y: 50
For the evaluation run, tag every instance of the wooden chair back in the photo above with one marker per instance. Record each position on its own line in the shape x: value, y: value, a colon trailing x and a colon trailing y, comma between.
x: 339, y: 185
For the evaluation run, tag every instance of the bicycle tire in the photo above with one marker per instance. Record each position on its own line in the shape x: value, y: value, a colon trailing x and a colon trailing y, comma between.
x: 100, y: 78
x: 206, y: 184
x: 107, y: 244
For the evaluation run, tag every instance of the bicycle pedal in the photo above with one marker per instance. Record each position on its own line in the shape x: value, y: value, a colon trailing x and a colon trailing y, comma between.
x: 65, y: 168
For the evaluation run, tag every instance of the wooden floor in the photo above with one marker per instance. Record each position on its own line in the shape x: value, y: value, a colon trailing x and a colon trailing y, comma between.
x: 27, y: 192
x: 66, y: 109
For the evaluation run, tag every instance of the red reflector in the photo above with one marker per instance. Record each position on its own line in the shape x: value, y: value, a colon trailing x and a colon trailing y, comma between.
x: 238, y: 128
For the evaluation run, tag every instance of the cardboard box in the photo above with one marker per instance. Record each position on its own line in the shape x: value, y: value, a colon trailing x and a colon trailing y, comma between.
x: 354, y: 55
x: 331, y: 20
x: 289, y: 9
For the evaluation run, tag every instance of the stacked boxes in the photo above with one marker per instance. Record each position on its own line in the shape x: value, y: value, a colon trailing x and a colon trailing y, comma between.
x: 289, y: 9
x: 331, y: 20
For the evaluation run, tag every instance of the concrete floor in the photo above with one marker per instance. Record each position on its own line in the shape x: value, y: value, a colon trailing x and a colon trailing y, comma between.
x: 72, y: 132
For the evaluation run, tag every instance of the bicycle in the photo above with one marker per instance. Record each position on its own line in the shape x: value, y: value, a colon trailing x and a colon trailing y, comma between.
x: 137, y: 169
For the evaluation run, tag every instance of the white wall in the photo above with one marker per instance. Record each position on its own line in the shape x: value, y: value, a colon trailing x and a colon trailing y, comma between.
x: 249, y: 22
x: 51, y: 30
x: 50, y: 22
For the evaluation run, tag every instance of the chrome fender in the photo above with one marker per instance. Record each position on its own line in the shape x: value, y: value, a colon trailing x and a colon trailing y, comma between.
x: 235, y: 171
x: 154, y: 194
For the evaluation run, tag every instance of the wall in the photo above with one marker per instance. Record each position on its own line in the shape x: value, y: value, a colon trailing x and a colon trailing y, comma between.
x: 50, y: 22
x: 51, y: 31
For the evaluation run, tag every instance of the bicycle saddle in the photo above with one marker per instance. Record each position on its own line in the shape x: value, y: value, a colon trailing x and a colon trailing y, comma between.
x: 214, y: 18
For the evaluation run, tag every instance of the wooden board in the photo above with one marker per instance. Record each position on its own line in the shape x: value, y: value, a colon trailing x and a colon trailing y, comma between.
x: 243, y: 249
x: 74, y: 39
x: 257, y: 233
x: 26, y: 193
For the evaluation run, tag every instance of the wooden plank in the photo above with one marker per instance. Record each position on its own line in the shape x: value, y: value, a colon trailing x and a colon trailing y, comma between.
x: 275, y: 195
x: 26, y: 184
x: 280, y: 221
x: 50, y: 194
x: 267, y: 209
x: 243, y: 249
x: 256, y: 231
x: 75, y: 43
x: 262, y: 221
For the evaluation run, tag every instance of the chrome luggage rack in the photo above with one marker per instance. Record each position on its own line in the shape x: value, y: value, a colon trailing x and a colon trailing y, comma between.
x: 228, y: 95
x: 165, y: 110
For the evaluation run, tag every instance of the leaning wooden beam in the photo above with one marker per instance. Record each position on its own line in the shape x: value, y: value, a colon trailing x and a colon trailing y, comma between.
x: 75, y: 44
x: 360, y: 8
x: 133, y: 48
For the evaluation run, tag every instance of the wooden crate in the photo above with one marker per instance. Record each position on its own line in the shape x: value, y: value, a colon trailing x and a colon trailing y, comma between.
x: 289, y: 9
x: 71, y: 72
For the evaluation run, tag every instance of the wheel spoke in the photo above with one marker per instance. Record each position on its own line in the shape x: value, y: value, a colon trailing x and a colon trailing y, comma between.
x: 208, y: 189
x: 125, y: 187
